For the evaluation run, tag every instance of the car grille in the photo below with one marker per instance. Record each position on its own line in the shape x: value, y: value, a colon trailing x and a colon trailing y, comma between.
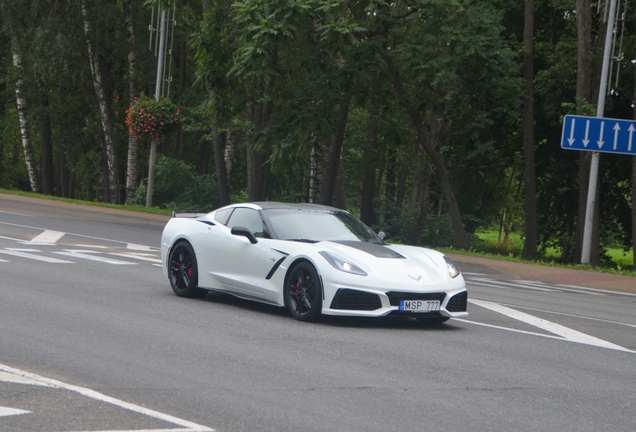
x: 348, y: 299
x: 457, y: 303
x: 396, y: 296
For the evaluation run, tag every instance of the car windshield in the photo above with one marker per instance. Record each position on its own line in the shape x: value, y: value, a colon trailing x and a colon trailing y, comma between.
x: 315, y: 226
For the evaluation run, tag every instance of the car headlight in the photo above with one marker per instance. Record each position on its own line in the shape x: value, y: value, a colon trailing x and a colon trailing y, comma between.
x: 342, y: 263
x: 453, y: 271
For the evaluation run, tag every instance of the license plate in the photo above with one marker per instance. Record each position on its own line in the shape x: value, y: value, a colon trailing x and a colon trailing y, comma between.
x: 419, y: 306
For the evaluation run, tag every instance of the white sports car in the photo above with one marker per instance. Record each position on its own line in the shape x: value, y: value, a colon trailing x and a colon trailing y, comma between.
x: 310, y: 258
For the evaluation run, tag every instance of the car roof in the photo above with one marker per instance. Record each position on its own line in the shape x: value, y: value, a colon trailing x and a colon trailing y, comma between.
x: 266, y: 205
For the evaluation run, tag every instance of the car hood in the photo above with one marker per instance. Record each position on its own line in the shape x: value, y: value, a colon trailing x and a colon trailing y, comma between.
x: 394, y: 263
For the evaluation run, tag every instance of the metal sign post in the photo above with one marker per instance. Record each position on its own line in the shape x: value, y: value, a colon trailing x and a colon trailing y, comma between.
x: 600, y: 110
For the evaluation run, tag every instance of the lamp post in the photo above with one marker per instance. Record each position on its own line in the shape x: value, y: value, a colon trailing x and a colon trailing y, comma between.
x: 153, y: 142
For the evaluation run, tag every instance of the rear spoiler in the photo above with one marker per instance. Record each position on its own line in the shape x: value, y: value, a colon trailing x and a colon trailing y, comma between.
x: 187, y: 214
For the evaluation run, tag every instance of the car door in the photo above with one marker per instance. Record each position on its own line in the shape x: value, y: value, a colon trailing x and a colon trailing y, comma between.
x: 240, y: 265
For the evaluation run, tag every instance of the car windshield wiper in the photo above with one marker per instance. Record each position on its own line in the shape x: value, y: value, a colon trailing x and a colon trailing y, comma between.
x: 304, y: 240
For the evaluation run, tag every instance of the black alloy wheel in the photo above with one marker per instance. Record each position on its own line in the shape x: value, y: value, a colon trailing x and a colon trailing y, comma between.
x: 303, y: 293
x: 183, y: 271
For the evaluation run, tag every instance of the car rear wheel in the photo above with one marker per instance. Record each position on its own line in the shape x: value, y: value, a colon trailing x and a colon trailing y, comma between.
x: 183, y: 271
x: 303, y: 294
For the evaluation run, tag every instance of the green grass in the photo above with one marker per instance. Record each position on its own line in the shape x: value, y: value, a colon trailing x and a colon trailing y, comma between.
x: 622, y: 262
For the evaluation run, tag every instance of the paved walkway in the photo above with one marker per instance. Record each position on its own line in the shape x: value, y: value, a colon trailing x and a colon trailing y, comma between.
x: 553, y: 274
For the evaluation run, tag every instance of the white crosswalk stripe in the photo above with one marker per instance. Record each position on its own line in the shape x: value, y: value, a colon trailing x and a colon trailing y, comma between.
x: 140, y: 256
x: 32, y: 256
x: 89, y: 255
x: 47, y: 237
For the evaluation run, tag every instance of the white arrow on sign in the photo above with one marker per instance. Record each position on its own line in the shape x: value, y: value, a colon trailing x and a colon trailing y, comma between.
x: 600, y: 141
x: 11, y: 411
x: 571, y: 139
x: 587, y: 133
x: 631, y: 133
x: 617, y: 128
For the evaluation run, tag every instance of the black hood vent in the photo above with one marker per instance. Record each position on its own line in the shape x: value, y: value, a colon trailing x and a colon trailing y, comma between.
x: 377, y: 250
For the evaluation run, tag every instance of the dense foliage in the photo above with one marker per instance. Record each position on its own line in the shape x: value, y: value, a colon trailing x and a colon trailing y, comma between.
x: 407, y: 113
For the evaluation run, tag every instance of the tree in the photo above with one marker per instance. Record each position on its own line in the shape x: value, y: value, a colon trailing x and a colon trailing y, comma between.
x: 111, y: 190
x: 443, y: 69
x: 131, y: 171
x: 530, y: 243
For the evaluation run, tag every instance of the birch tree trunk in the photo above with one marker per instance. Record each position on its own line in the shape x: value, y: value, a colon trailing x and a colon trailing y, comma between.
x: 131, y: 169
x: 111, y: 194
x: 529, y: 172
x: 229, y: 155
x: 315, y: 173
x: 25, y: 133
x: 219, y: 141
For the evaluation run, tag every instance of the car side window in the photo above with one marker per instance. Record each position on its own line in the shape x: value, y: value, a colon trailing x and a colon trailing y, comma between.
x: 221, y: 216
x: 248, y: 218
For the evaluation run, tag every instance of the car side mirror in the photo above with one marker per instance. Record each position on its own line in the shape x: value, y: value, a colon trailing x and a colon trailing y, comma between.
x: 242, y: 231
x: 383, y: 236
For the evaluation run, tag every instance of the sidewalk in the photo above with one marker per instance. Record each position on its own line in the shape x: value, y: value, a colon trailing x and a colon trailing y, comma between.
x: 546, y: 273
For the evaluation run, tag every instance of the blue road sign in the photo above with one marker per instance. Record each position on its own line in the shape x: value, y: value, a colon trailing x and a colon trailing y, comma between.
x: 599, y: 134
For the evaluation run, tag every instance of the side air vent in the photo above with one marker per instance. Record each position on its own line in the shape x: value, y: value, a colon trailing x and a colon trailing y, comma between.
x: 458, y: 302
x: 348, y: 299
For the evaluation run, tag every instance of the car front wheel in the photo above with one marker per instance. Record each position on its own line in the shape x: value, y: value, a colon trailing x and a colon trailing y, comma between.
x: 303, y: 294
x: 183, y: 271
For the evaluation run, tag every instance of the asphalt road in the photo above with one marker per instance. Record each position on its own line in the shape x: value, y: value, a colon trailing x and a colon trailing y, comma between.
x: 93, y: 339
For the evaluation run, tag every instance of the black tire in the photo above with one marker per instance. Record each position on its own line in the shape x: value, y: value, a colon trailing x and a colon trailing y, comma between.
x: 303, y: 293
x: 183, y: 271
x: 432, y: 320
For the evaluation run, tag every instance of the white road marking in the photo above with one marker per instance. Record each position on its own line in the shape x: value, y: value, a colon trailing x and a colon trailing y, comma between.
x: 558, y: 329
x: 17, y: 214
x: 48, y: 237
x: 574, y: 316
x: 21, y: 379
x: 579, y: 288
x: 473, y: 274
x: 526, y: 332
x: 190, y: 426
x: 139, y: 256
x: 138, y: 247
x: 76, y: 235
x: 11, y: 411
x: 35, y: 257
x: 497, y: 284
x: 539, y: 286
x: 86, y: 254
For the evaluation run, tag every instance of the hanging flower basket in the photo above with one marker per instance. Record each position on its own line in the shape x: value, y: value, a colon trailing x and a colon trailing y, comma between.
x: 148, y: 118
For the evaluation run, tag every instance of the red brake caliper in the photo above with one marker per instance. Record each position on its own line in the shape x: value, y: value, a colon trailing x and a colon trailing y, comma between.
x: 190, y: 272
x: 298, y: 292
